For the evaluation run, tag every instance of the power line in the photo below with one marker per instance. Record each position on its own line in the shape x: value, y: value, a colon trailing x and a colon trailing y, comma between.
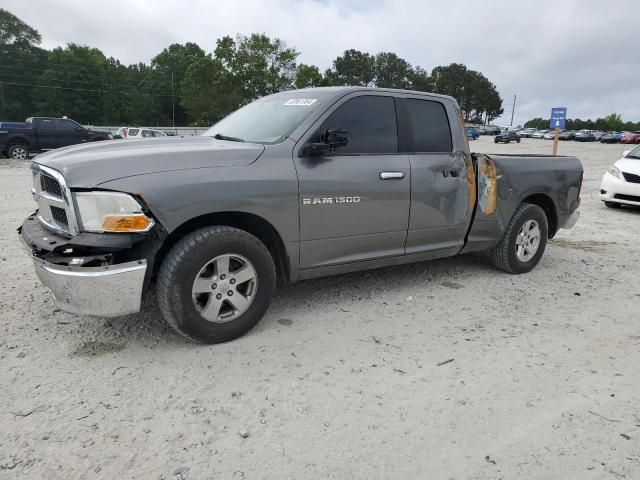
x: 107, y: 69
x: 66, y: 72
x: 84, y: 89
x: 96, y: 90
x: 68, y: 80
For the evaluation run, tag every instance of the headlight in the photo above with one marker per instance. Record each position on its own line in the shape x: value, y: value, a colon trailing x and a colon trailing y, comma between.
x: 615, y: 171
x: 111, y: 212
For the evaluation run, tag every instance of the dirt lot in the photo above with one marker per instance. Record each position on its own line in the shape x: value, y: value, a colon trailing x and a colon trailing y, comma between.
x: 342, y: 379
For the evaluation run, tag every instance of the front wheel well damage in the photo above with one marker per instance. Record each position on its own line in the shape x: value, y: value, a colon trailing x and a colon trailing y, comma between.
x: 546, y: 203
x: 253, y: 224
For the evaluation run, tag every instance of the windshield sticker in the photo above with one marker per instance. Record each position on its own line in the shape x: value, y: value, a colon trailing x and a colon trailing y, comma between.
x: 301, y: 102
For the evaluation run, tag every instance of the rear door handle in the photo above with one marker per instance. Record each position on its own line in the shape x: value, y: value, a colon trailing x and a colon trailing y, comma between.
x: 391, y: 175
x: 454, y: 172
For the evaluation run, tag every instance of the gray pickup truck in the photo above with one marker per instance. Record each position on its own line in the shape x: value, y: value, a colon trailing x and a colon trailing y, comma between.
x: 295, y: 185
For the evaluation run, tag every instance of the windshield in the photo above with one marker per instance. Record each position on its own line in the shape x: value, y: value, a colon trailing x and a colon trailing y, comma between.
x: 635, y: 153
x: 269, y: 119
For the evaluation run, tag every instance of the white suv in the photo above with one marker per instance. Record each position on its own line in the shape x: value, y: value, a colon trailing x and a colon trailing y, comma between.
x: 130, y: 133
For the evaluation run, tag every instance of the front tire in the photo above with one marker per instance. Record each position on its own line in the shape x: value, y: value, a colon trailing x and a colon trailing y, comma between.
x: 612, y: 204
x: 19, y: 152
x: 524, y: 240
x: 216, y: 284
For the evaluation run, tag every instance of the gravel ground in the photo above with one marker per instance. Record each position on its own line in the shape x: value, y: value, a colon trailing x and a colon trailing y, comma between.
x: 346, y: 376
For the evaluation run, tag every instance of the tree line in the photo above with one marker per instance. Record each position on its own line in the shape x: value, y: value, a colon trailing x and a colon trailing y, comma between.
x: 185, y: 83
x: 610, y: 123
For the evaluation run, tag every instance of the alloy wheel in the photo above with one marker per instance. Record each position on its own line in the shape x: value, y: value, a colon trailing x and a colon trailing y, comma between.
x: 224, y: 288
x: 528, y: 240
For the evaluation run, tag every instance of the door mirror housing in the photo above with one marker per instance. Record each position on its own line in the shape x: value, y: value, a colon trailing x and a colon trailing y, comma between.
x: 333, y: 140
x: 80, y: 129
x: 336, y: 138
x: 626, y: 152
x: 315, y: 149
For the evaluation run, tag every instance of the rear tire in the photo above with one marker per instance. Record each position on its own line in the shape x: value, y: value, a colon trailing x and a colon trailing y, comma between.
x: 19, y: 152
x: 215, y: 257
x: 524, y: 240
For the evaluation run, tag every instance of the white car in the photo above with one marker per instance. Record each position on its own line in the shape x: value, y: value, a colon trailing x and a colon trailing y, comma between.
x: 549, y: 135
x: 130, y: 133
x: 621, y: 183
x: 527, y: 132
x: 539, y: 133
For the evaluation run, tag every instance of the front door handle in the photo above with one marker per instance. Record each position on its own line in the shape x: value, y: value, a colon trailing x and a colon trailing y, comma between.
x: 391, y: 175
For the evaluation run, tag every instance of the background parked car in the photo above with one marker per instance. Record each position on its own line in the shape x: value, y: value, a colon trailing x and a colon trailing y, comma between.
x: 527, y: 132
x: 507, y: 136
x: 473, y: 133
x: 567, y: 135
x: 621, y: 183
x: 129, y: 133
x: 598, y: 134
x: 633, y: 137
x: 539, y: 133
x: 491, y: 130
x: 585, y: 136
x: 611, y: 137
x: 550, y: 135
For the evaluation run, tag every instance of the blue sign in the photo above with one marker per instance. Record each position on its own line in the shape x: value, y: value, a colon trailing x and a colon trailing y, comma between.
x: 558, y: 117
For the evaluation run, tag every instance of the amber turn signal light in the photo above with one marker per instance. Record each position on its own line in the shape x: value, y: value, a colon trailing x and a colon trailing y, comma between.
x: 136, y: 222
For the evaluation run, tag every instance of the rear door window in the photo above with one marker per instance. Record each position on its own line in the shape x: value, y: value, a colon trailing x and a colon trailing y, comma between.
x: 429, y: 127
x: 62, y: 124
x: 46, y: 123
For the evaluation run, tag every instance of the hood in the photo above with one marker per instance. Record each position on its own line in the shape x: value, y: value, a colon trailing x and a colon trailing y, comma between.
x: 629, y: 165
x: 89, y: 165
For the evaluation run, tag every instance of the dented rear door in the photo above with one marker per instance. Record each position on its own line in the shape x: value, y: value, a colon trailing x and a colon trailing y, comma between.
x: 442, y: 174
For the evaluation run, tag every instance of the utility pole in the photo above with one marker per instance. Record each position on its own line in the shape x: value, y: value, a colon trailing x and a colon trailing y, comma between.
x: 173, y: 107
x: 513, y: 109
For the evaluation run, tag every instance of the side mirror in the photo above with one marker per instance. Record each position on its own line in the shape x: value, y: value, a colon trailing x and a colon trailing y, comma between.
x: 80, y: 129
x: 333, y: 140
x: 315, y: 149
x: 336, y: 138
x: 626, y: 152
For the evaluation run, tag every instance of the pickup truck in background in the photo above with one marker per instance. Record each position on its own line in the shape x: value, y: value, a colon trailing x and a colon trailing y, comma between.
x: 295, y: 185
x: 38, y: 134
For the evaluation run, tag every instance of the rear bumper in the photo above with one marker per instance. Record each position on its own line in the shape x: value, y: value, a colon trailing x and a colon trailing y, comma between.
x: 572, y: 220
x: 109, y: 290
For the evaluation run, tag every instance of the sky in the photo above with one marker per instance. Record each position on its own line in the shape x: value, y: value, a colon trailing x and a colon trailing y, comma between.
x: 582, y: 54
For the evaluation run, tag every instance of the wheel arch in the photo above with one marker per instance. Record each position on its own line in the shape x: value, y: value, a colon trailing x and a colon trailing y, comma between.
x: 18, y: 140
x: 547, y: 204
x: 249, y: 222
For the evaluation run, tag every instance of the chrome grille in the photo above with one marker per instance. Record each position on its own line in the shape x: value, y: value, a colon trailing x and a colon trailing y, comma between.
x: 59, y: 216
x: 50, y: 185
x: 55, y: 208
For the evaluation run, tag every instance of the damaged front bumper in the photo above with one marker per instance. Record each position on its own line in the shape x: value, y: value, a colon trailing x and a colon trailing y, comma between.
x: 83, y: 282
